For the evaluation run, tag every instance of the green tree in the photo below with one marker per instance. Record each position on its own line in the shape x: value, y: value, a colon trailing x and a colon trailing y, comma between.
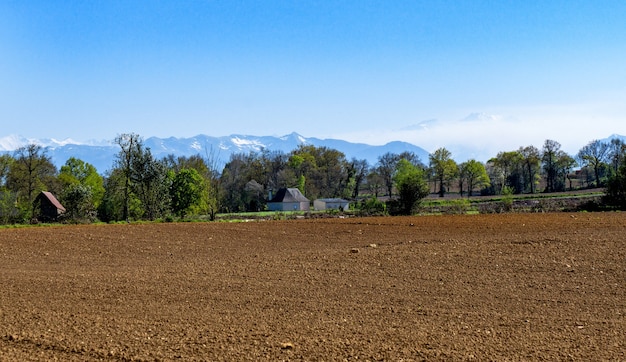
x: 76, y: 171
x: 615, y: 193
x: 358, y: 170
x: 151, y: 184
x: 564, y: 165
x: 617, y: 150
x: 78, y: 201
x: 411, y: 185
x: 254, y: 194
x: 5, y: 166
x: 186, y: 191
x: 130, y: 146
x: 443, y: 168
x: 475, y: 175
x: 7, y: 197
x: 507, y: 171
x: 549, y: 158
x: 116, y: 205
x: 144, y: 179
x: 31, y: 172
x: 325, y: 170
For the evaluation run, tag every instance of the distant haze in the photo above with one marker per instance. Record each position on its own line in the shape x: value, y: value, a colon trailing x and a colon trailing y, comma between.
x: 101, y: 154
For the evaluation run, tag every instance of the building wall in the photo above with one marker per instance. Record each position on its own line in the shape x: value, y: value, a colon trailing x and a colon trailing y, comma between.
x: 288, y: 206
x: 328, y: 205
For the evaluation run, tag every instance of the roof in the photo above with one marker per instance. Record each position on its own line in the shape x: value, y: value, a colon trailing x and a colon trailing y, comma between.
x: 289, y: 195
x: 53, y: 200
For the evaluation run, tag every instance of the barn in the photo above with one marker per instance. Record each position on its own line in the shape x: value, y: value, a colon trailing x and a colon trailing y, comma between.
x: 289, y: 199
x: 331, y: 204
x: 47, y: 207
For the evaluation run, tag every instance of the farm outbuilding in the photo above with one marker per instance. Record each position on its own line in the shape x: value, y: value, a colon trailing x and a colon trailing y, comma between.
x: 289, y: 199
x: 331, y: 204
x: 47, y: 207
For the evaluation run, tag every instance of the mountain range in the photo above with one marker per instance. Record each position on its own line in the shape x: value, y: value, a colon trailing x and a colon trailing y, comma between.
x: 101, y: 154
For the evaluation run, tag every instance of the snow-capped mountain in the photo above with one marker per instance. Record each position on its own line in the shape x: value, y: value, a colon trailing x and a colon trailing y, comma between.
x: 102, y: 154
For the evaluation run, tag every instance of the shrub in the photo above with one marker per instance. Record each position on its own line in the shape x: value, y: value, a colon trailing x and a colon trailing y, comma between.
x: 615, y: 193
x: 372, y: 206
x: 459, y: 206
x: 507, y: 199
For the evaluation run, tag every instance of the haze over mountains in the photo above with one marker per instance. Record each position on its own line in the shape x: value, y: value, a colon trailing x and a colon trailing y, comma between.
x: 102, y: 153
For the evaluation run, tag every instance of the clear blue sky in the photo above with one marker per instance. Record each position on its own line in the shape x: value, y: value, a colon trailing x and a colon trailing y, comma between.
x: 359, y: 70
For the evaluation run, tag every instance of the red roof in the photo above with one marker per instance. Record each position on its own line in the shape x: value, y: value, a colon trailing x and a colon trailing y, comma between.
x: 53, y: 200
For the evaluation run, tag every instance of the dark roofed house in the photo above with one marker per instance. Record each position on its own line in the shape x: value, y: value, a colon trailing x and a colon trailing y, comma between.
x: 47, y: 207
x: 289, y: 199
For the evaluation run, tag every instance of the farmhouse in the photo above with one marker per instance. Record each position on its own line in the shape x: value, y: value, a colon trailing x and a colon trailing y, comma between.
x: 289, y: 199
x: 331, y: 204
x: 47, y: 207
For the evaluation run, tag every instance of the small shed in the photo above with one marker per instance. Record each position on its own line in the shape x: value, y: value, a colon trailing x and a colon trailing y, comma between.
x: 331, y: 204
x: 47, y: 207
x: 289, y: 199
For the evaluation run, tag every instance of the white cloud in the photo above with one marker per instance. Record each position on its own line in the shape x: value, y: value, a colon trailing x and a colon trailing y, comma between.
x: 483, y: 135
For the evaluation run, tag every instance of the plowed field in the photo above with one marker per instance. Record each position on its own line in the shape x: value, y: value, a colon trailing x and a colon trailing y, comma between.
x: 483, y: 287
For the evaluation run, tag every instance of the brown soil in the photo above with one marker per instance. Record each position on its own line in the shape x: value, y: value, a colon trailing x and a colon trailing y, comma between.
x: 483, y: 287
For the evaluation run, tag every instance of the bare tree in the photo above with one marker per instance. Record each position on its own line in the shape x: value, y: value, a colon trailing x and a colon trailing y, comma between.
x: 549, y: 158
x: 531, y: 159
x: 594, y: 154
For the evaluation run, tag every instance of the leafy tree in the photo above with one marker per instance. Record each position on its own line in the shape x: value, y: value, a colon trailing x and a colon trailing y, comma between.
x: 475, y: 175
x: 443, y: 168
x: 268, y: 172
x: 411, y: 185
x: 615, y: 193
x: 186, y: 191
x: 413, y: 158
x: 31, y: 172
x: 207, y: 169
x: 358, y: 171
x: 254, y: 193
x: 564, y: 165
x: 617, y: 150
x: 144, y: 178
x: 233, y: 180
x: 76, y: 171
x: 115, y: 204
x: 8, y: 211
x: 78, y: 201
x: 594, y: 155
x: 549, y: 158
x: 530, y: 157
x: 507, y: 171
x: 375, y: 183
x: 385, y: 168
x: 214, y: 189
x: 325, y: 170
x: 7, y: 197
x: 150, y: 182
x: 5, y: 166
x: 130, y: 146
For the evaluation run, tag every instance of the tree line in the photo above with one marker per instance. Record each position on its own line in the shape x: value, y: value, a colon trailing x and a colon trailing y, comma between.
x: 142, y: 187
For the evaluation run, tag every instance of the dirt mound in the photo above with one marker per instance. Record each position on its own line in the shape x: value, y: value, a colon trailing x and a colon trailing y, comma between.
x: 485, y: 287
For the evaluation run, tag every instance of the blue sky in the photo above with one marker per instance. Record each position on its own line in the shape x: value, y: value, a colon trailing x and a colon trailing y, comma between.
x: 364, y: 71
